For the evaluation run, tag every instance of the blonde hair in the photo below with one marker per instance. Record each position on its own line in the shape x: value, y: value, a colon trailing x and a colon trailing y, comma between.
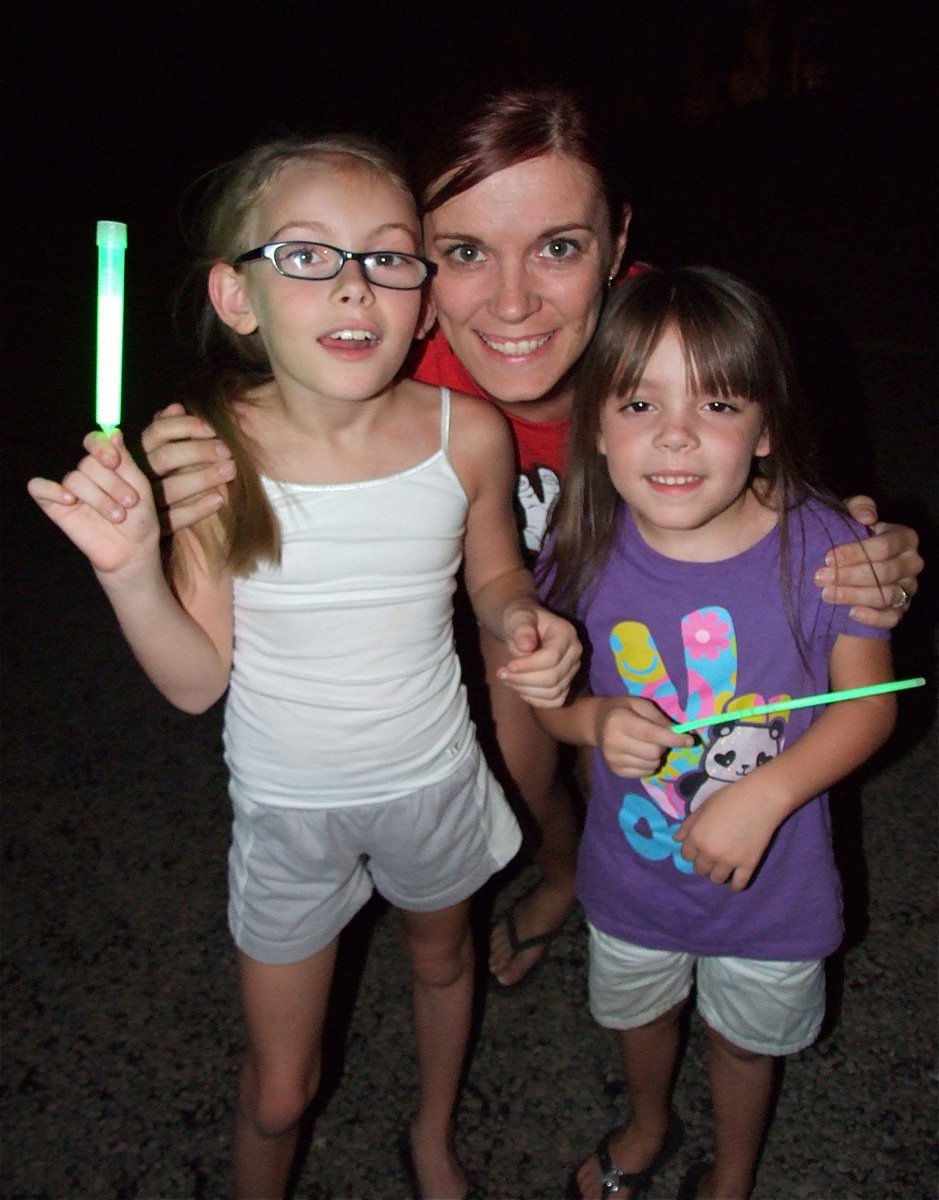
x: 245, y: 531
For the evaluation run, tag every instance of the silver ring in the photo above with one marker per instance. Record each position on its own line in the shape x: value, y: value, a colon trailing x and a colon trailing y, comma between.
x: 905, y: 598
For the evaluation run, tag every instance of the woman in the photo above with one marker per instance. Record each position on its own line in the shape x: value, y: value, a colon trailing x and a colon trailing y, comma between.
x: 528, y: 235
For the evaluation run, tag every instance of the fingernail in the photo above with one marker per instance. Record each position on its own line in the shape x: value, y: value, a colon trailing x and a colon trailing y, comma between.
x: 226, y: 469
x: 117, y: 514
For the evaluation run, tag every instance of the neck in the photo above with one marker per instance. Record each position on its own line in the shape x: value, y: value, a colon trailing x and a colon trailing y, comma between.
x: 555, y: 406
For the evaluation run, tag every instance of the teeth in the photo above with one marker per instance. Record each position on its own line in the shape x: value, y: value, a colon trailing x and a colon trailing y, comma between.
x: 524, y: 346
x: 353, y: 335
x: 674, y: 480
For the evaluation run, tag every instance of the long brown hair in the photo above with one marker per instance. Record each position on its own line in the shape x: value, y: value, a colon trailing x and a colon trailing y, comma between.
x: 245, y: 531
x: 733, y: 346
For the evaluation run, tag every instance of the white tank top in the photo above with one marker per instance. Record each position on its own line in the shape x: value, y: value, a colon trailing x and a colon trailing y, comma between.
x: 345, y: 687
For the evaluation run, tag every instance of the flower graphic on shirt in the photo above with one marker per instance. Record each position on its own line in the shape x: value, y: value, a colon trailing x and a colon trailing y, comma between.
x: 706, y: 635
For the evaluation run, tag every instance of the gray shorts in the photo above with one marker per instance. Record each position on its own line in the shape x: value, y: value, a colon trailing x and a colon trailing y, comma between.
x: 766, y: 1007
x: 296, y: 877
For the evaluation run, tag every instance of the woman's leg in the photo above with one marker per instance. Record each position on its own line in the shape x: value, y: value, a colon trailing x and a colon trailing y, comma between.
x: 440, y: 947
x: 650, y: 1057
x: 741, y: 1094
x: 284, y: 1007
x: 530, y: 756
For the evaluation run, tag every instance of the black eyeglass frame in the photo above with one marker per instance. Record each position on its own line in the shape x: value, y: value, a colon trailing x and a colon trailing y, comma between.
x: 269, y: 251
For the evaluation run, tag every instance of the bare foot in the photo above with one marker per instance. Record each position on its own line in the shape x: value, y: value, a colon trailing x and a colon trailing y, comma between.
x: 438, y: 1174
x: 630, y: 1150
x: 539, y: 915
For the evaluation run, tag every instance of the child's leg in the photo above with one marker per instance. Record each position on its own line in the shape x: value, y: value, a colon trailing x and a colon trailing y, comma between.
x: 741, y: 1093
x: 650, y: 1058
x: 756, y: 1011
x: 530, y: 758
x: 284, y: 1007
x: 440, y: 948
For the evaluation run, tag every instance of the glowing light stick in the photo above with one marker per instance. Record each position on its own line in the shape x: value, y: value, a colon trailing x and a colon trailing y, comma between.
x: 112, y: 241
x: 875, y: 689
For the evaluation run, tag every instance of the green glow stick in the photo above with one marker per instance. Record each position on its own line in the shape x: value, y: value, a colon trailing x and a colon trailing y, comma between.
x: 112, y: 241
x: 875, y: 689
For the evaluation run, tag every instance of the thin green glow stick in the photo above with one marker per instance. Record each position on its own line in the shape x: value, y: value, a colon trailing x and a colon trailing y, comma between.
x: 112, y: 242
x: 875, y: 689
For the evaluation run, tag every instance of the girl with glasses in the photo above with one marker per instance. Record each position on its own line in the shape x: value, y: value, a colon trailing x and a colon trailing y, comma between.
x: 320, y: 599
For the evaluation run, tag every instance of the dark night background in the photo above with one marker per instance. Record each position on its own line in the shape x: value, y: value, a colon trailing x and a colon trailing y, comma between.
x: 790, y: 142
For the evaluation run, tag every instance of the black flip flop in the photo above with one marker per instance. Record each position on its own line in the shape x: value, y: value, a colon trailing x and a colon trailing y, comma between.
x: 519, y: 945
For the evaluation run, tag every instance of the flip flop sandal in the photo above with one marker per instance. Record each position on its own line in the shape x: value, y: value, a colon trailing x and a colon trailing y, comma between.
x: 691, y: 1181
x: 519, y: 945
x: 614, y: 1179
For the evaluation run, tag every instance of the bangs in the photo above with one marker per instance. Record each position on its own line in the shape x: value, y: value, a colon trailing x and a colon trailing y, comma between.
x: 724, y: 352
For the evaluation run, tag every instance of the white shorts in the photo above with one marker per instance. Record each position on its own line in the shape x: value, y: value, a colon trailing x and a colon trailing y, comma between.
x: 296, y: 877
x: 763, y: 1006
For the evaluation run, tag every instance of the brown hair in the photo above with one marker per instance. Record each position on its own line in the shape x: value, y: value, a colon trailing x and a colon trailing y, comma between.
x: 505, y: 129
x: 245, y: 531
x: 733, y: 346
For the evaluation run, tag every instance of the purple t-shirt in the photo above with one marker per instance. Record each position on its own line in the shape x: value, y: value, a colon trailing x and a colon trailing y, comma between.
x: 700, y: 639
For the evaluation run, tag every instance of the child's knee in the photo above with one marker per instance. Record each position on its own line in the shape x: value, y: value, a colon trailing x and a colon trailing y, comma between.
x: 443, y: 966
x: 276, y: 1104
x: 721, y: 1045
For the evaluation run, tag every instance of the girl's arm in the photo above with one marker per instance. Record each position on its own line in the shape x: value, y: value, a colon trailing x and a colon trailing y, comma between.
x: 727, y: 836
x: 633, y: 734
x: 184, y: 647
x: 501, y: 590
x: 869, y: 575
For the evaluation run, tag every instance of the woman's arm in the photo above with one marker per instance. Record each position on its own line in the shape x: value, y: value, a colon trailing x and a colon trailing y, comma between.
x: 501, y: 590
x: 727, y: 836
x: 183, y: 646
x: 877, y: 577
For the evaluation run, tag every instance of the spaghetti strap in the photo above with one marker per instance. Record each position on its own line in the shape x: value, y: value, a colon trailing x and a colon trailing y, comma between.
x: 445, y: 419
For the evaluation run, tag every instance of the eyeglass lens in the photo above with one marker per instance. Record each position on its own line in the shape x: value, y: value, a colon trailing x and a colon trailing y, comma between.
x: 386, y: 268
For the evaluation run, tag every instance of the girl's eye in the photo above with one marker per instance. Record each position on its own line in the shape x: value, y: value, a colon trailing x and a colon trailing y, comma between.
x: 637, y: 406
x: 303, y: 257
x: 464, y: 254
x: 560, y: 248
x: 720, y: 406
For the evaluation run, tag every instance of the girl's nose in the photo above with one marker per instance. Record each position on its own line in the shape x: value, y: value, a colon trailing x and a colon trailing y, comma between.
x: 676, y: 435
x: 351, y: 285
x: 513, y: 299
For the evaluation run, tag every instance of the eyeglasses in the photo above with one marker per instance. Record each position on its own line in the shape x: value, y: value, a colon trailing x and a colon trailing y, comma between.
x: 314, y: 260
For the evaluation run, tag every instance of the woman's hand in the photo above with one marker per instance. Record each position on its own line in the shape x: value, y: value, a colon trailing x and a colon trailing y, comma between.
x: 191, y: 465
x: 876, y: 577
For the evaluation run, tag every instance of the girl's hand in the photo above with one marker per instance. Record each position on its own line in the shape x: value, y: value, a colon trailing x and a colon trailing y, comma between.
x: 113, y: 536
x: 191, y: 464
x: 890, y: 555
x: 634, y: 735
x: 547, y: 653
x: 728, y: 835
